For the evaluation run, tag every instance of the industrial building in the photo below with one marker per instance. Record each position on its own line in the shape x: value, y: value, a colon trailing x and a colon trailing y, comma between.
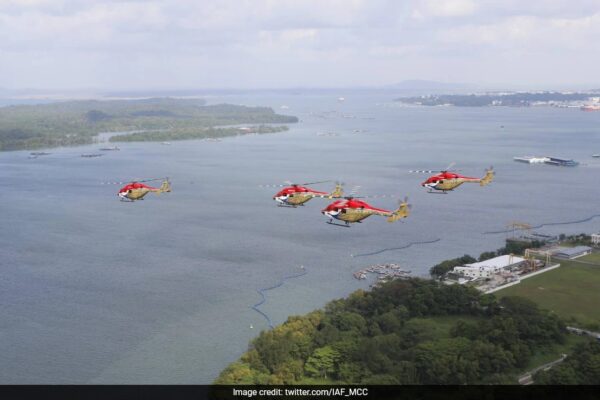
x: 489, y: 268
x: 570, y: 253
x: 596, y: 239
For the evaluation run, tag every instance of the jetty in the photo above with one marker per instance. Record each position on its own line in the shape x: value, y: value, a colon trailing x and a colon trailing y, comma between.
x: 384, y: 272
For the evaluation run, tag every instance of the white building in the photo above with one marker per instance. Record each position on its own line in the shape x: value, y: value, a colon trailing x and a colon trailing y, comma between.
x: 488, y: 268
x: 596, y: 238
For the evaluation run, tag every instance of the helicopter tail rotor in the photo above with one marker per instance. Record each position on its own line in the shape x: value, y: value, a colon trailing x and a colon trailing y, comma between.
x: 489, y: 176
x: 402, y: 212
x: 165, y: 187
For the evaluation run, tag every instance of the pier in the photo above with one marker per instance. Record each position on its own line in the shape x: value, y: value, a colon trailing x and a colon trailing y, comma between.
x: 384, y: 272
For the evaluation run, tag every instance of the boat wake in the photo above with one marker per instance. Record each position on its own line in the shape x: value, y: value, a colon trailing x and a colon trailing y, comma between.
x: 262, y: 291
x: 395, y: 248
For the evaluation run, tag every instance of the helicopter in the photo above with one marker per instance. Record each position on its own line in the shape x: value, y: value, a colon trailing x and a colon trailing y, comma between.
x: 136, y: 190
x: 350, y: 210
x: 296, y: 194
x: 447, y: 179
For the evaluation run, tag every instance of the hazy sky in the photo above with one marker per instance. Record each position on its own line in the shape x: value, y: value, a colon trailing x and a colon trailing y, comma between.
x: 114, y: 44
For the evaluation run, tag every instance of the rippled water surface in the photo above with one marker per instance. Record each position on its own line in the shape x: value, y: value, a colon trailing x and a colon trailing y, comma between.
x: 94, y: 290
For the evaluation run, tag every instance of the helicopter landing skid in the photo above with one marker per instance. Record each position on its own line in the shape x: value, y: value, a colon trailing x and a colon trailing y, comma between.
x: 444, y: 192
x: 342, y: 225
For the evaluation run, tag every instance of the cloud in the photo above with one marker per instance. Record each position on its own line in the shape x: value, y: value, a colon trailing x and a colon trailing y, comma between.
x: 250, y: 43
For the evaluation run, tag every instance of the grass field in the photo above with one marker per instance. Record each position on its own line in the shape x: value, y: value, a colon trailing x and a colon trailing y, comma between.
x: 571, y: 291
x: 594, y: 257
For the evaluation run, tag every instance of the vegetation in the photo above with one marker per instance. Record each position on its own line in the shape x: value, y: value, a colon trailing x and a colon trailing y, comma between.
x: 441, y: 269
x: 581, y: 239
x: 194, y: 133
x: 404, y: 332
x: 570, y: 291
x: 482, y: 100
x: 582, y: 367
x: 78, y: 122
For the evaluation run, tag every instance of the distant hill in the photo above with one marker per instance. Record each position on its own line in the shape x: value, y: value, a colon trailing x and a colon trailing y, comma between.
x: 424, y: 86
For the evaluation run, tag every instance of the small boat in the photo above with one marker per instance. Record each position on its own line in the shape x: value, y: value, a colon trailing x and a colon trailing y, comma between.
x: 596, y: 155
x: 113, y: 148
x: 38, y: 154
x: 166, y: 143
x: 590, y: 107
x: 91, y: 155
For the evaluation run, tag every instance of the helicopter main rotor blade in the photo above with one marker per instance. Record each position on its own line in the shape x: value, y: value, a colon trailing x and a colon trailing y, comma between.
x: 314, y: 183
x: 423, y: 171
x: 290, y: 183
x: 449, y: 167
x: 132, y: 180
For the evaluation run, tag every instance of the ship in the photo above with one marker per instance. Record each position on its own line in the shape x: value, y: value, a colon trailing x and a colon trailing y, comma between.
x: 590, y: 107
x: 557, y: 161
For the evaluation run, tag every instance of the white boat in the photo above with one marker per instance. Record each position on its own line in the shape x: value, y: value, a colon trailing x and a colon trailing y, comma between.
x: 113, y: 148
x: 166, y: 143
x: 531, y: 159
x: 562, y: 162
x: 596, y: 155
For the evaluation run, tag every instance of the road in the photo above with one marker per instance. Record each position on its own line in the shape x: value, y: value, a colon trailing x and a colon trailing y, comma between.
x: 527, y: 377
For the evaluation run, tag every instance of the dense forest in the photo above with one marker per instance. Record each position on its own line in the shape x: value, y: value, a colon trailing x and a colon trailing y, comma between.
x: 482, y: 100
x: 78, y: 122
x: 404, y: 332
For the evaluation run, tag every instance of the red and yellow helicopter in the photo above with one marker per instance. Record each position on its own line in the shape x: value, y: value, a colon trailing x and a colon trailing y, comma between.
x: 296, y: 194
x: 136, y: 190
x: 350, y: 210
x: 447, y: 180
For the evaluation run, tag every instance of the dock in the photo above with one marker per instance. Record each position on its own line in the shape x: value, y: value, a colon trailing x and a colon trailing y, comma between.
x: 384, y: 272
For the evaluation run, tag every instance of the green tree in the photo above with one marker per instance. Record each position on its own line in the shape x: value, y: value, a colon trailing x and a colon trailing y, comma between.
x: 322, y: 362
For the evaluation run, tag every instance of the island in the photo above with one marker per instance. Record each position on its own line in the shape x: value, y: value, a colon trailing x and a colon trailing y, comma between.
x: 79, y: 122
x: 509, y: 99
